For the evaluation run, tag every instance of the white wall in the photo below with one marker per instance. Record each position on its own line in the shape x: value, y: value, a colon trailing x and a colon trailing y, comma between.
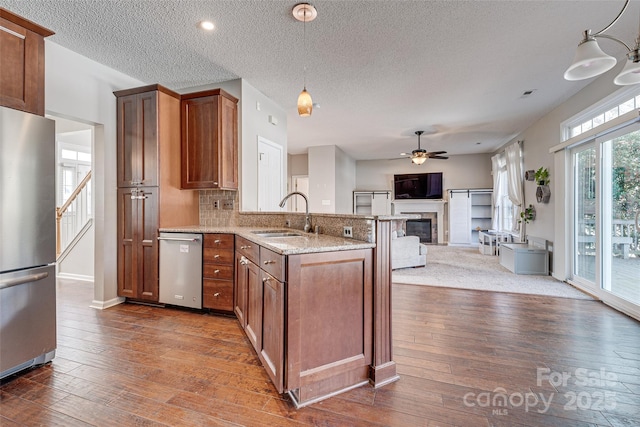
x: 298, y: 164
x: 332, y: 179
x: 464, y: 171
x: 345, y: 182
x: 82, y: 90
x: 538, y: 138
x: 256, y: 123
x: 78, y: 262
x: 322, y: 179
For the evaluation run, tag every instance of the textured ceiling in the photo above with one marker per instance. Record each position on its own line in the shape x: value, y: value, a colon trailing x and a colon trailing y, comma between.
x: 379, y: 69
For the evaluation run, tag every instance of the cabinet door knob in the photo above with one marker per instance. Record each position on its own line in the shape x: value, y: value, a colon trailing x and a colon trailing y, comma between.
x: 216, y: 256
x: 245, y: 247
x: 264, y: 279
x: 217, y: 294
x: 216, y: 271
x: 244, y: 261
x: 269, y: 261
x: 217, y: 241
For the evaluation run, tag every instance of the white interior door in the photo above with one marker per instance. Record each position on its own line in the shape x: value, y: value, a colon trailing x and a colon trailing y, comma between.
x: 270, y: 175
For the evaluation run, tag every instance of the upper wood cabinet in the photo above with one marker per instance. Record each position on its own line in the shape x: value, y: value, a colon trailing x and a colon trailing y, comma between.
x: 22, y: 70
x: 137, y: 137
x: 209, y: 140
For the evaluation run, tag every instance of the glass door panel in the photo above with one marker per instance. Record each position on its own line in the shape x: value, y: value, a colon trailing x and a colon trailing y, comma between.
x: 620, y: 207
x: 584, y: 207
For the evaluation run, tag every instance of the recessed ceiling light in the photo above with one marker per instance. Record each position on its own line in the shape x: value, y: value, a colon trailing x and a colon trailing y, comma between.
x: 206, y: 25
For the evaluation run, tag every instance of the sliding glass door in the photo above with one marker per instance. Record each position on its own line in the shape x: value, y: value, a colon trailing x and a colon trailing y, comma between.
x: 606, y: 206
x: 620, y: 207
x: 584, y: 208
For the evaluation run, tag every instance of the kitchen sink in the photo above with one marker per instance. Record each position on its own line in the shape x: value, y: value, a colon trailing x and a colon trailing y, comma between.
x: 276, y: 233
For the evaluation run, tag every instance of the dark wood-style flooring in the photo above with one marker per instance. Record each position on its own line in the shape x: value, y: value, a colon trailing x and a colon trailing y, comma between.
x: 467, y: 358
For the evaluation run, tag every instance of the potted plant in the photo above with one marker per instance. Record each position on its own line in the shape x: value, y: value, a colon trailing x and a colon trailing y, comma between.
x: 527, y: 215
x: 542, y: 176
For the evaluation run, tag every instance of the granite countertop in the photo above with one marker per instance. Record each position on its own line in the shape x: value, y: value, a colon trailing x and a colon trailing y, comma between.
x: 306, y: 243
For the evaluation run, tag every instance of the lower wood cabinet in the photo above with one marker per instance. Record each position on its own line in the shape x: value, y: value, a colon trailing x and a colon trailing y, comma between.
x: 138, y: 243
x: 271, y: 351
x: 218, y: 272
x: 309, y: 317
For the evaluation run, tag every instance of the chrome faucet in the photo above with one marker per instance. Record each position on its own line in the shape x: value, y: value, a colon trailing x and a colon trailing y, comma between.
x: 307, y: 217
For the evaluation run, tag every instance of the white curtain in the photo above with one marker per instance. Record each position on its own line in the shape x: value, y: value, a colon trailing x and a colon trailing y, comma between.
x: 497, y: 162
x: 513, y: 155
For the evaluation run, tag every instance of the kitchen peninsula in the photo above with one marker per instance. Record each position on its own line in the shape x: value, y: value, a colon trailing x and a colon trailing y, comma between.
x: 316, y: 308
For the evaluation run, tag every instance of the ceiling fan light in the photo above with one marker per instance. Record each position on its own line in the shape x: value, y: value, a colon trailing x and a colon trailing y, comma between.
x: 418, y: 160
x: 630, y: 74
x: 305, y: 103
x: 589, y: 61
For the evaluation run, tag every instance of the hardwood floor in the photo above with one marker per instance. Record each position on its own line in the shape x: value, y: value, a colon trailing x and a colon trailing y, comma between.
x: 458, y: 352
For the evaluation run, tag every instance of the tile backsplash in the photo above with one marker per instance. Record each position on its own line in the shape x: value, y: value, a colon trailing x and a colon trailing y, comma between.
x: 330, y: 224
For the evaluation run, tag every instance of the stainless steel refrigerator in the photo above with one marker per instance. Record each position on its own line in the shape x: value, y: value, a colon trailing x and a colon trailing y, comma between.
x: 27, y: 241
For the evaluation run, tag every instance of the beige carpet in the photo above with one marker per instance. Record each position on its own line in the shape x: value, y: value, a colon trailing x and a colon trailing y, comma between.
x: 457, y: 267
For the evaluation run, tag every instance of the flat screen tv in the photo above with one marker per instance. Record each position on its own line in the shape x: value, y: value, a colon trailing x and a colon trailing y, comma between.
x: 418, y: 186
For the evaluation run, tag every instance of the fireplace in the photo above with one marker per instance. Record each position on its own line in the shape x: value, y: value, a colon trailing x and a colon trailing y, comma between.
x: 420, y: 228
x: 432, y: 210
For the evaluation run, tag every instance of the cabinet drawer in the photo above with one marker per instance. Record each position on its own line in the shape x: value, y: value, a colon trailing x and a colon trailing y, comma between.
x: 248, y: 249
x: 217, y: 271
x: 217, y: 294
x: 221, y: 241
x: 217, y: 256
x: 272, y: 263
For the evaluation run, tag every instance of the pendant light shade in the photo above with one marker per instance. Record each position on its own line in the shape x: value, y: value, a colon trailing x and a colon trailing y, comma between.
x: 589, y: 61
x: 304, y: 12
x: 305, y: 104
x: 630, y: 74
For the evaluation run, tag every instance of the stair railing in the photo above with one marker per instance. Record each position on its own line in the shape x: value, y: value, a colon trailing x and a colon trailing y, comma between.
x: 60, y: 211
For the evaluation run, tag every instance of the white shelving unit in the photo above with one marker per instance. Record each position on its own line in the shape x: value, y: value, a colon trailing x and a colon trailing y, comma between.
x: 372, y: 202
x: 469, y: 212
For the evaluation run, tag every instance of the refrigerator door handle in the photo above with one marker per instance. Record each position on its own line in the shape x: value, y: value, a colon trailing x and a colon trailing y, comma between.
x: 178, y: 239
x: 4, y: 284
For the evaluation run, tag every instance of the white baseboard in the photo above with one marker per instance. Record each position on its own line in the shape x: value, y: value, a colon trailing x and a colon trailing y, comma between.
x: 71, y: 276
x: 101, y: 305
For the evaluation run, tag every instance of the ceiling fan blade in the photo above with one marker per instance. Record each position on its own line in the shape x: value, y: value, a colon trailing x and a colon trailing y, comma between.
x: 439, y: 157
x: 437, y: 152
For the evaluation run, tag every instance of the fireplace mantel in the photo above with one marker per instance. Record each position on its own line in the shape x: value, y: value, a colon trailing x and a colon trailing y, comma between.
x: 422, y: 206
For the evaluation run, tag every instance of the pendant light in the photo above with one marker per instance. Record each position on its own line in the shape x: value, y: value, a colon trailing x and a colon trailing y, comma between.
x: 590, y: 61
x: 306, y: 13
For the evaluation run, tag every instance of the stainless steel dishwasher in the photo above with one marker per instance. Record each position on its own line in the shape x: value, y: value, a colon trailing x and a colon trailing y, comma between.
x: 181, y: 269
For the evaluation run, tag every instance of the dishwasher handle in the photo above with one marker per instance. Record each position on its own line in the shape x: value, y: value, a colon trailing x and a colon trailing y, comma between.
x: 180, y: 239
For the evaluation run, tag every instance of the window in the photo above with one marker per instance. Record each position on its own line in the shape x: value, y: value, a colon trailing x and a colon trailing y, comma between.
x: 621, y: 102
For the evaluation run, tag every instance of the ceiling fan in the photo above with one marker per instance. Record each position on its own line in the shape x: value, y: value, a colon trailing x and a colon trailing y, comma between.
x: 420, y: 155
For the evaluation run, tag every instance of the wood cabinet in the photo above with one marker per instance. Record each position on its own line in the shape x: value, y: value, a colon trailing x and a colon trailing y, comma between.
x: 218, y: 272
x: 273, y: 331
x: 309, y: 317
x: 329, y: 312
x: 22, y: 70
x: 247, y: 297
x: 149, y: 194
x: 138, y: 139
x: 138, y: 243
x: 209, y: 140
